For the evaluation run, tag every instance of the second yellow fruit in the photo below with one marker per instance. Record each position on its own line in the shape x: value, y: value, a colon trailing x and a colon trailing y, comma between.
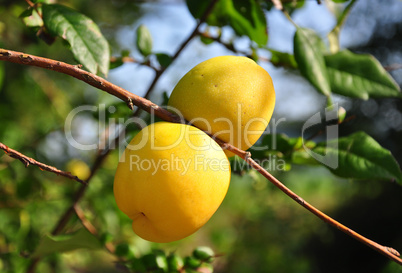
x: 231, y: 97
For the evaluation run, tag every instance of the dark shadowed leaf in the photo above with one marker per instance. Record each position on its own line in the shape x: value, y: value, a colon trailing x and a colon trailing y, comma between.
x: 308, y: 49
x: 87, y: 43
x: 361, y: 157
x: 283, y: 59
x: 359, y: 76
x: 26, y: 13
x: 61, y: 243
x: 291, y: 6
x: 163, y: 59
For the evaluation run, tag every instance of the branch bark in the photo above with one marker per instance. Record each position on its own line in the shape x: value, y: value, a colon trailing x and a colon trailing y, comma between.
x: 89, y: 78
x: 27, y: 161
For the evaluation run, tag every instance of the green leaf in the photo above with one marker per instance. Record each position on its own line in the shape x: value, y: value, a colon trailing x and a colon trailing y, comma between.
x: 333, y: 39
x: 31, y: 18
x: 247, y: 18
x: 117, y: 62
x: 26, y: 13
x: 203, y: 253
x: 244, y: 16
x: 155, y: 261
x: 144, y: 40
x: 291, y: 6
x: 340, y: 1
x: 164, y: 59
x: 206, y: 40
x: 175, y: 262
x: 87, y: 43
x: 282, y: 59
x: 308, y: 49
x: 62, y: 243
x: 333, y: 35
x: 361, y: 157
x: 301, y: 157
x: 359, y: 76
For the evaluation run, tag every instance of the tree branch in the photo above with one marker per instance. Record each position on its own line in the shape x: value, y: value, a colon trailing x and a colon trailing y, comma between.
x: 27, y: 161
x: 386, y: 251
x: 91, y: 228
x: 166, y: 115
x: 91, y: 79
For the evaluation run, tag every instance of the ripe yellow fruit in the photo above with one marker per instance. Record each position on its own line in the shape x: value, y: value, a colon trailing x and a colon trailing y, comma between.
x: 170, y: 181
x: 231, y: 97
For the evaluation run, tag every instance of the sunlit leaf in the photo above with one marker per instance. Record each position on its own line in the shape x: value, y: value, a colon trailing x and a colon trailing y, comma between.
x: 308, y: 49
x: 244, y: 16
x: 31, y: 18
x: 87, y: 43
x: 359, y: 76
x: 361, y: 157
x: 144, y: 40
x: 62, y: 243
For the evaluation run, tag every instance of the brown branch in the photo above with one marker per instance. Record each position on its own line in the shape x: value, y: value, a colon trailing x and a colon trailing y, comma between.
x: 393, y: 67
x: 91, y: 228
x: 32, y: 5
x: 91, y: 79
x: 126, y: 59
x: 166, y: 115
x: 277, y: 4
x: 27, y: 161
x: 386, y: 251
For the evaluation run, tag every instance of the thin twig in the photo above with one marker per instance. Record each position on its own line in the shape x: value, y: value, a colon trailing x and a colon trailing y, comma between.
x: 277, y: 4
x: 179, y: 50
x: 32, y: 5
x: 393, y: 67
x: 90, y: 227
x: 386, y: 251
x: 27, y: 161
